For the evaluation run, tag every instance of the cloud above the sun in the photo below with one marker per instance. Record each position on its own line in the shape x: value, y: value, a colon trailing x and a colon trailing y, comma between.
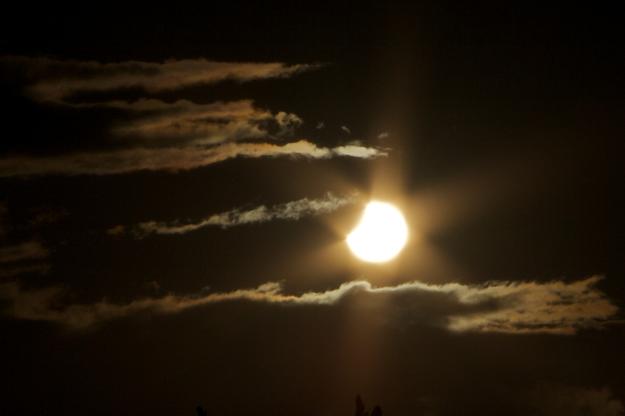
x: 171, y: 159
x: 149, y: 133
x: 51, y: 79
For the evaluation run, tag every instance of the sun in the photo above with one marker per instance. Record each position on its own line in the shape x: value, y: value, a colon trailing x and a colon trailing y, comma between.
x: 380, y: 235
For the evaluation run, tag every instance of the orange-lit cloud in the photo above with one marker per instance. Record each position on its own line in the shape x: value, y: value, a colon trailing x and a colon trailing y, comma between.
x: 55, y: 79
x: 23, y: 251
x: 555, y: 307
x: 155, y: 120
x: 172, y: 159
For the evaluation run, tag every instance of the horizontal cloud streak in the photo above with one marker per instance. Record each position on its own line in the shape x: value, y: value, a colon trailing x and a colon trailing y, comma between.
x: 293, y: 210
x: 211, y: 123
x: 161, y: 135
x: 555, y: 307
x: 557, y: 399
x: 24, y: 251
x: 55, y: 80
x: 22, y: 258
x: 170, y: 159
x: 7, y: 271
x: 184, y: 120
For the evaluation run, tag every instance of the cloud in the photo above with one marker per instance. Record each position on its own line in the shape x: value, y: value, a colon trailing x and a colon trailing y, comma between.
x: 166, y: 136
x: 3, y: 214
x: 60, y: 82
x: 383, y: 135
x: 116, y: 230
x: 555, y: 307
x: 47, y: 215
x: 320, y: 125
x: 183, y: 120
x: 160, y: 135
x: 23, y: 251
x: 171, y: 159
x: 55, y: 80
x: 561, y: 400
x: 287, y: 122
x: 346, y: 129
x: 23, y: 258
x: 293, y: 210
x: 359, y: 151
x: 13, y: 271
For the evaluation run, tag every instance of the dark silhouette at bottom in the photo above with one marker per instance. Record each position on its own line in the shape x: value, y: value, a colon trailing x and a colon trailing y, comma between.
x: 361, y: 411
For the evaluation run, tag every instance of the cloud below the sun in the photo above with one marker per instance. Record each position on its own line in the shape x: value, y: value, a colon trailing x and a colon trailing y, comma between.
x: 555, y: 307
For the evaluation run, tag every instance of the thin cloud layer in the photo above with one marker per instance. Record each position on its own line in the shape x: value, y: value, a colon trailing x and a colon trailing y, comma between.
x: 23, y: 258
x: 54, y: 79
x: 555, y: 307
x: 167, y: 159
x: 3, y: 213
x: 158, y: 135
x: 24, y: 251
x: 562, y: 400
x: 60, y: 82
x: 293, y: 210
x: 210, y: 123
x: 185, y: 121
x: 11, y: 271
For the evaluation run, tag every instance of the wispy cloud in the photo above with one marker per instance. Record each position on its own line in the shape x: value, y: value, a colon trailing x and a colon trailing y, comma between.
x: 20, y: 258
x: 185, y: 121
x: 555, y: 307
x: 23, y: 258
x: 11, y: 271
x: 346, y: 129
x: 62, y: 81
x: 359, y: 151
x: 3, y: 213
x: 55, y: 80
x: 168, y: 159
x: 24, y: 251
x: 287, y: 122
x: 557, y: 399
x: 163, y: 135
x: 293, y: 210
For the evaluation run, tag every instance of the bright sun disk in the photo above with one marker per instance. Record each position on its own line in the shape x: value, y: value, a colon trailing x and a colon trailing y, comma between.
x: 380, y: 235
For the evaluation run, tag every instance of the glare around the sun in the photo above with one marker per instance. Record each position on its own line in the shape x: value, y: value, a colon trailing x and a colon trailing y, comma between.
x: 380, y: 235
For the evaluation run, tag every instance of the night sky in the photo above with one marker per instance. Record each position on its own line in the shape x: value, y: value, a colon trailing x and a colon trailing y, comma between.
x: 177, y: 185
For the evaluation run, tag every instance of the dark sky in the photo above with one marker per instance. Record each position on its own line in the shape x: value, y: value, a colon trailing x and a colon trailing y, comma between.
x: 176, y: 186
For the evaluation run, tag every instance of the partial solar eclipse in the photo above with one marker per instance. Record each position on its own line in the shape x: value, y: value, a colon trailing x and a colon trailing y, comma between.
x: 380, y: 235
